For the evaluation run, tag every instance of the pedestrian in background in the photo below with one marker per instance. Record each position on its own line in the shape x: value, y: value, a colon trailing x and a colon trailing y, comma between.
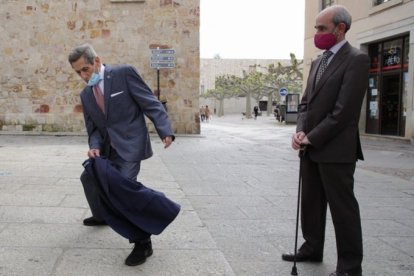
x: 256, y: 111
x: 328, y: 127
x: 207, y: 113
x: 115, y: 103
x: 202, y: 113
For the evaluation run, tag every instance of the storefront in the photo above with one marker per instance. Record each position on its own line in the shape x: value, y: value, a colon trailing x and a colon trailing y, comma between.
x: 388, y: 85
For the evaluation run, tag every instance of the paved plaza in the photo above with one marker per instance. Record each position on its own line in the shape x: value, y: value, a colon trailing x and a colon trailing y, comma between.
x: 237, y: 185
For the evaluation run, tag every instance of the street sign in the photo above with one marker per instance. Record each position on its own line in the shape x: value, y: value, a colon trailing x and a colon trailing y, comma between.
x: 162, y: 58
x: 163, y: 51
x: 158, y: 65
x: 158, y: 58
x: 283, y: 91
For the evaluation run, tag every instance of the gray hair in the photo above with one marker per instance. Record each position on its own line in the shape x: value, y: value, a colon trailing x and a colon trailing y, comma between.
x: 86, y: 51
x: 341, y: 15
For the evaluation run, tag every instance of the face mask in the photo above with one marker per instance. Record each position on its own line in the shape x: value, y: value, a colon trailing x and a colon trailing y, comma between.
x: 324, y: 41
x: 94, y: 80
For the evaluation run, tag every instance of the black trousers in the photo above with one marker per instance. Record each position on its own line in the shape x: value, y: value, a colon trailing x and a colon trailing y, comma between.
x: 130, y: 170
x: 331, y: 184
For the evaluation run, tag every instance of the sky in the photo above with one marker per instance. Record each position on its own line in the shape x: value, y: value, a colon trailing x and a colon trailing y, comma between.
x: 252, y: 29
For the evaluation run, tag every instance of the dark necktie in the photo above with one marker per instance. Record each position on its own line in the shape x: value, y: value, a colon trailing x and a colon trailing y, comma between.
x: 99, y: 97
x: 323, y: 65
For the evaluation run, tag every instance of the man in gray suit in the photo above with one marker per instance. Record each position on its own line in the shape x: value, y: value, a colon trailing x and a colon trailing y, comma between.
x: 115, y: 103
x: 328, y: 128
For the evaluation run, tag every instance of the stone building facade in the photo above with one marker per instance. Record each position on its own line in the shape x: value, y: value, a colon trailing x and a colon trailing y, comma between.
x: 384, y: 29
x: 39, y: 91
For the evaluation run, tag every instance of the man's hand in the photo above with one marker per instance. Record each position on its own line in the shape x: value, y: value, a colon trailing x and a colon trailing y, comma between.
x: 167, y: 141
x: 92, y: 153
x: 298, y: 140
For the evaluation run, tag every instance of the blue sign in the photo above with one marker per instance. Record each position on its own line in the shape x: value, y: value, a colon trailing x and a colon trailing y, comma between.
x: 159, y: 65
x: 283, y: 91
x: 159, y: 58
x: 162, y: 58
x: 163, y: 51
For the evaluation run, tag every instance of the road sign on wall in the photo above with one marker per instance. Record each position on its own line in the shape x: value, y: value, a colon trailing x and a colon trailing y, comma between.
x: 162, y: 64
x: 162, y: 58
x: 163, y: 51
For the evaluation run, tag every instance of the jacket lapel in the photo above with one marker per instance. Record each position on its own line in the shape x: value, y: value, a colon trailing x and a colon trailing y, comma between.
x: 107, y: 88
x: 336, y: 61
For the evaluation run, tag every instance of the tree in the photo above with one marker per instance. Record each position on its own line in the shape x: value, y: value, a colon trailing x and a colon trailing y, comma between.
x: 254, y: 84
x: 217, y: 56
x: 279, y: 76
x: 250, y: 85
x: 224, y: 89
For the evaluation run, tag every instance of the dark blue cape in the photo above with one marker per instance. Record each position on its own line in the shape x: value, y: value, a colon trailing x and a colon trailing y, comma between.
x: 127, y: 204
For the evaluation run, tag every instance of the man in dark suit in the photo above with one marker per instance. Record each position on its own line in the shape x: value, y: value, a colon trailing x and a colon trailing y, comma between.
x: 115, y: 103
x: 328, y: 129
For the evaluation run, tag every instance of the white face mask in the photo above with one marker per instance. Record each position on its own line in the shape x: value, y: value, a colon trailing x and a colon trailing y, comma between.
x: 94, y: 80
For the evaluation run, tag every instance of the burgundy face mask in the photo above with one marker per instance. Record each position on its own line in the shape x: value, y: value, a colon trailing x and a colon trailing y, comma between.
x: 324, y: 41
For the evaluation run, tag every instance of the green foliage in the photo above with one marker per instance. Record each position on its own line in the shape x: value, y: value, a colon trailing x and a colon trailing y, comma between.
x: 28, y: 127
x: 258, y: 82
x: 224, y: 88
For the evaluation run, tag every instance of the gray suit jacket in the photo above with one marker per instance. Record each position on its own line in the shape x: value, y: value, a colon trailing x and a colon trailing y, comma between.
x: 329, y: 111
x: 127, y: 100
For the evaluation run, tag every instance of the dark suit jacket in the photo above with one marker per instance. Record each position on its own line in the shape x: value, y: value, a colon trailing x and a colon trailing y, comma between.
x: 329, y: 112
x: 127, y: 204
x: 127, y: 100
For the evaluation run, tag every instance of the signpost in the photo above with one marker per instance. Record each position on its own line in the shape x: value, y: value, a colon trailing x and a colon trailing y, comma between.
x: 283, y: 91
x: 162, y: 58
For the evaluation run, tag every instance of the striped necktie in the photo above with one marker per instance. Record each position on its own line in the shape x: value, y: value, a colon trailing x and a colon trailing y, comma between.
x: 323, y: 65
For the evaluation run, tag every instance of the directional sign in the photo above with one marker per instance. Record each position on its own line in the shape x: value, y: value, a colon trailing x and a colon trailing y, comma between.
x: 162, y: 58
x: 157, y: 58
x: 163, y: 51
x: 283, y: 91
x: 162, y: 65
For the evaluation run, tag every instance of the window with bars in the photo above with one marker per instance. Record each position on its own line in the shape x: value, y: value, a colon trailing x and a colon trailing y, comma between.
x: 327, y: 3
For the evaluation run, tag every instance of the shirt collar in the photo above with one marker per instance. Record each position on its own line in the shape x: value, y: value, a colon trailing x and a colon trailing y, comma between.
x: 102, y: 72
x: 337, y: 47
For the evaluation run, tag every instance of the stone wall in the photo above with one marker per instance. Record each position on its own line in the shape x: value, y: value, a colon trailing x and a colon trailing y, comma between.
x: 39, y: 91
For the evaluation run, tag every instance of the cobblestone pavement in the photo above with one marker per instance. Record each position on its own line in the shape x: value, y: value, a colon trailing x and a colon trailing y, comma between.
x: 237, y: 184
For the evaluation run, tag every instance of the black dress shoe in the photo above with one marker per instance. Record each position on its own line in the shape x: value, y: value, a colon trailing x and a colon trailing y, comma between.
x: 302, y: 256
x: 93, y: 222
x: 336, y: 273
x: 139, y: 254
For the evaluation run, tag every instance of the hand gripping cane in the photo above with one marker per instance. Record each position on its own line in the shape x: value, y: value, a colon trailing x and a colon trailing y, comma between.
x: 301, y: 154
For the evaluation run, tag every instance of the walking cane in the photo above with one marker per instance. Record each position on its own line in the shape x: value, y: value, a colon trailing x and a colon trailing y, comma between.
x: 301, y: 154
